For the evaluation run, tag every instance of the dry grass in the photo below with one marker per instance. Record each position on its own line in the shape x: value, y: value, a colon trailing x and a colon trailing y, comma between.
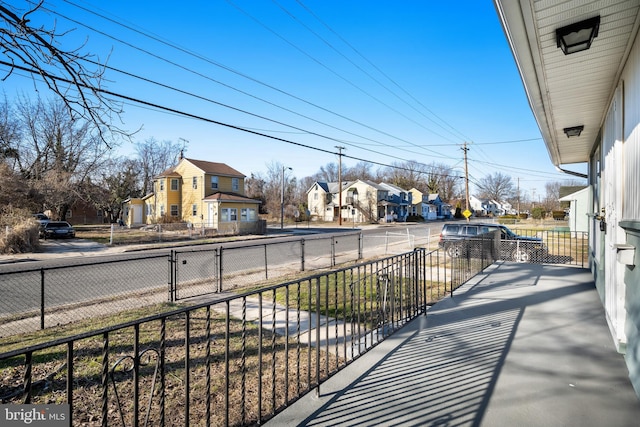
x: 256, y: 360
x: 20, y: 238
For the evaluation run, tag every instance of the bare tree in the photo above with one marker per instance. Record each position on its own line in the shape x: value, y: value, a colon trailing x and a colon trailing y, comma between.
x: 67, y: 73
x: 10, y: 132
x: 15, y: 192
x: 328, y: 173
x: 57, y: 153
x: 442, y: 179
x: 405, y: 175
x: 497, y: 187
x: 274, y: 188
x: 362, y: 171
x: 155, y: 157
x: 119, y: 181
x: 254, y: 188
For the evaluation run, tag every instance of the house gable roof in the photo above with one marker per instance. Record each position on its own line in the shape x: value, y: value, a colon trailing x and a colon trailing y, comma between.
x: 214, y: 168
x: 222, y: 196
x: 169, y: 173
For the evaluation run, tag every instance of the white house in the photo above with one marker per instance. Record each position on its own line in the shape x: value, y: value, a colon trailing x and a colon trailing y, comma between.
x: 477, y: 205
x: 578, y: 210
x: 584, y: 96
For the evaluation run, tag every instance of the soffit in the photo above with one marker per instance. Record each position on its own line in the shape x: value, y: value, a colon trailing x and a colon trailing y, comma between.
x: 569, y: 90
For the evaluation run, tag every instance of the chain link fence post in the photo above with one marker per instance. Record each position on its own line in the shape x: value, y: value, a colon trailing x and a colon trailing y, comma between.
x: 220, y: 268
x: 266, y: 263
x: 42, y: 302
x: 172, y: 276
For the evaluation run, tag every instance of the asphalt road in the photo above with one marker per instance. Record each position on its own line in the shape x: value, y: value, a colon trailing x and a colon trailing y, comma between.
x: 72, y: 271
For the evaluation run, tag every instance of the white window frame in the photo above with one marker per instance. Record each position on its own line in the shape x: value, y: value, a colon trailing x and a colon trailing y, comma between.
x: 235, y: 184
x: 194, y: 183
x: 214, y: 182
x: 161, y: 184
x: 177, y: 184
x: 194, y: 209
x: 247, y: 214
x: 229, y: 214
x: 174, y: 208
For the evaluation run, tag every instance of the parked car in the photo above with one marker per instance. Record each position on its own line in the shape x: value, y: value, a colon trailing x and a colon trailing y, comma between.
x: 41, y: 218
x: 455, y: 239
x: 57, y: 229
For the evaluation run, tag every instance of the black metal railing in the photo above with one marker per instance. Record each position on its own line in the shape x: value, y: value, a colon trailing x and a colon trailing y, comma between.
x: 238, y: 360
x: 37, y: 298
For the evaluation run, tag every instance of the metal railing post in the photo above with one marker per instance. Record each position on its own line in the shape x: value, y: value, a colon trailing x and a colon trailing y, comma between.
x: 302, y: 254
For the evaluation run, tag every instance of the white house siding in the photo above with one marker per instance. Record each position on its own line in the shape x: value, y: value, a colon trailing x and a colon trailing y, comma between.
x: 612, y: 197
x: 630, y: 214
x: 580, y: 207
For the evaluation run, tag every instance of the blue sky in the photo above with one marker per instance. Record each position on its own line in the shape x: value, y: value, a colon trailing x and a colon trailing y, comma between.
x: 389, y: 81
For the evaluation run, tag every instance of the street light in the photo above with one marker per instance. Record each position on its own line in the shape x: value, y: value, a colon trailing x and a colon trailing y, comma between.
x: 284, y: 168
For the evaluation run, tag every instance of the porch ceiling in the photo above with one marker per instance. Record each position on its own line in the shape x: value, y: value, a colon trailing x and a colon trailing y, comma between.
x: 569, y: 90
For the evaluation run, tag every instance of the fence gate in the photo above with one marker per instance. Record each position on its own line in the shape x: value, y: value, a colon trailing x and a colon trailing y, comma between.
x: 194, y: 273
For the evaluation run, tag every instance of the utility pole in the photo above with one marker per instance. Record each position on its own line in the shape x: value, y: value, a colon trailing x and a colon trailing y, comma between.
x: 466, y: 176
x: 518, y: 195
x: 284, y: 168
x: 340, y: 148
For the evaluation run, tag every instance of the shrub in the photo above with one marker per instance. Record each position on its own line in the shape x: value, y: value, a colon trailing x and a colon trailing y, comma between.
x: 537, y: 213
x: 20, y: 238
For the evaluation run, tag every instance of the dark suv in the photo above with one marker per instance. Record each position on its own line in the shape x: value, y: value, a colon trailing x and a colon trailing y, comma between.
x: 455, y: 239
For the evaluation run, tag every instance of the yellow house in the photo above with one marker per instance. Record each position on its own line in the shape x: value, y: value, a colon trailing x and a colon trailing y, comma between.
x: 204, y: 194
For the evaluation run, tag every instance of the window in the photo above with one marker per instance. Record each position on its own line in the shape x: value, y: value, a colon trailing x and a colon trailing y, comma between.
x: 194, y: 210
x: 194, y: 183
x: 247, y: 214
x: 174, y: 184
x: 470, y: 231
x: 174, y: 210
x: 161, y: 183
x: 149, y: 207
x: 315, y: 196
x: 161, y: 210
x: 214, y: 182
x: 235, y: 184
x: 229, y: 214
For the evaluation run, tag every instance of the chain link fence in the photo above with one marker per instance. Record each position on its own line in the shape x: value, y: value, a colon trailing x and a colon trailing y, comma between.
x: 44, y: 297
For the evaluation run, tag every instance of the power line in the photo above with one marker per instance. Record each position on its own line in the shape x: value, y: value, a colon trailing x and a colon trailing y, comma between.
x: 380, y: 71
x: 198, y: 117
x: 359, y: 68
x: 226, y: 68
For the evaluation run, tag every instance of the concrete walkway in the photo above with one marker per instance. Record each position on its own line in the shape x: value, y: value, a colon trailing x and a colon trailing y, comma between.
x: 522, y: 345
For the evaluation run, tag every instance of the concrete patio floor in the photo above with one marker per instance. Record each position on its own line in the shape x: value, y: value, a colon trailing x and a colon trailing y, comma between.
x: 519, y: 345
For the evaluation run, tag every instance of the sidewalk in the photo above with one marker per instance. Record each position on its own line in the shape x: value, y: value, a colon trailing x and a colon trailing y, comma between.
x: 523, y: 345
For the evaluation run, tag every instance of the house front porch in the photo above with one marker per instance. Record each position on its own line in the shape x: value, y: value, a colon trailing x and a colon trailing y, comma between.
x: 520, y: 344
